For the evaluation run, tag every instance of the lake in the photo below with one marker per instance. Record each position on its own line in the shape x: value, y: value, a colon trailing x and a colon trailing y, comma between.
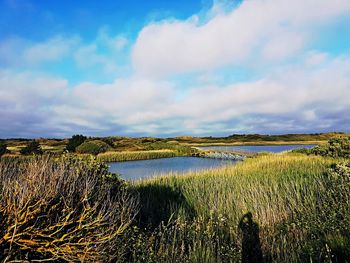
x: 259, y: 148
x: 133, y: 170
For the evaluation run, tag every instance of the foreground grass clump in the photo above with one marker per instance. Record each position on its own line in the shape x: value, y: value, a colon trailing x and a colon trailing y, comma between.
x: 135, y: 155
x: 62, y: 210
x: 287, y: 208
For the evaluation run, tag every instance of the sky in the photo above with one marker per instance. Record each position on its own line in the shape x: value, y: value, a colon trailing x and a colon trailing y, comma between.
x: 173, y: 68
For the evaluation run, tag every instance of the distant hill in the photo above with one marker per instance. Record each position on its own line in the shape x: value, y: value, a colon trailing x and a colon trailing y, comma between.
x: 244, y: 138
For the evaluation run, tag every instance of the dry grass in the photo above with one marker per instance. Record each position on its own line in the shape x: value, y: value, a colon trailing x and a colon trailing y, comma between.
x: 61, y: 210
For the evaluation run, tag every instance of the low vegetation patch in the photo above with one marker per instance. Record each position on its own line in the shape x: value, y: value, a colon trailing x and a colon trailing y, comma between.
x: 32, y: 148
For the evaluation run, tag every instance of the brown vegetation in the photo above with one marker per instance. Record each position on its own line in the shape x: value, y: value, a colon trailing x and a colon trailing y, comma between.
x: 65, y: 210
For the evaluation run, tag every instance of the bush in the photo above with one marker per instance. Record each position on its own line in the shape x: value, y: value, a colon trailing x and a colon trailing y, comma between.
x: 336, y: 147
x: 74, y: 142
x: 302, y: 150
x: 3, y: 148
x: 93, y: 147
x: 65, y: 210
x: 32, y: 148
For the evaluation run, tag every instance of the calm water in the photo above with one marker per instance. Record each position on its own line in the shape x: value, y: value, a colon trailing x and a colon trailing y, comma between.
x: 259, y: 148
x: 133, y: 170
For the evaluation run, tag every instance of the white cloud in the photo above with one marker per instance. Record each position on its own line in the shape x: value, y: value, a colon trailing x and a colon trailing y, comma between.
x: 104, y: 51
x: 26, y: 102
x: 303, y: 98
x: 297, y: 98
x: 315, y: 58
x: 88, y: 56
x: 284, y: 45
x: 170, y: 47
x: 16, y: 51
x: 115, y: 43
x: 53, y: 49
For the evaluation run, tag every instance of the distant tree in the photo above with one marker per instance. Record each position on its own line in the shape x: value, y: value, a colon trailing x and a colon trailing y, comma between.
x: 32, y: 148
x: 3, y: 149
x: 74, y: 142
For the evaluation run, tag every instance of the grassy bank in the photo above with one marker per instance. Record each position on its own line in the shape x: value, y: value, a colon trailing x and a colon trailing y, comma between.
x: 290, y: 198
x: 134, y: 155
x: 107, y: 156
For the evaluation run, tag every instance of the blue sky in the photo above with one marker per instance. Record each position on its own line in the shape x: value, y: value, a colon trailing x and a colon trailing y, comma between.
x: 170, y: 68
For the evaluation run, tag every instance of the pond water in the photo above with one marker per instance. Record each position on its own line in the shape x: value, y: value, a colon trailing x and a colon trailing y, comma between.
x: 133, y: 170
x: 259, y: 148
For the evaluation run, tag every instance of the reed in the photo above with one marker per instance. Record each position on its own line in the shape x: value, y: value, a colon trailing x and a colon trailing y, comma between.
x: 286, y: 194
x: 134, y: 155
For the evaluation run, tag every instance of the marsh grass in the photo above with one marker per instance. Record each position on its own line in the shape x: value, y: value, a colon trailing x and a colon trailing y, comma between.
x: 284, y: 193
x: 134, y: 155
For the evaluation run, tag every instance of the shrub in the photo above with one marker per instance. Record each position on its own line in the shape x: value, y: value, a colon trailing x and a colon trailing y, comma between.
x: 65, y: 210
x: 3, y: 148
x: 32, y: 148
x: 302, y: 150
x: 336, y: 147
x: 93, y: 147
x: 74, y: 142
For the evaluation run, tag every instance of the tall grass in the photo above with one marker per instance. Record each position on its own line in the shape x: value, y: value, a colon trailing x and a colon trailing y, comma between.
x: 284, y: 193
x: 134, y: 155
